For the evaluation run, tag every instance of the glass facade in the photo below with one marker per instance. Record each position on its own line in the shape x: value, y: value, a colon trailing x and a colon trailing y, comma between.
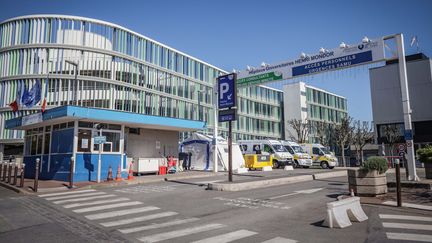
x: 121, y: 70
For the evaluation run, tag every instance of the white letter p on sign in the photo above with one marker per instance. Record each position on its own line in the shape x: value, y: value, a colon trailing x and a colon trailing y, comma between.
x: 224, y: 87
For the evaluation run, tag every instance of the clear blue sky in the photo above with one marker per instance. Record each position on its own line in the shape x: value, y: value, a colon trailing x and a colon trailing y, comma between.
x: 232, y: 34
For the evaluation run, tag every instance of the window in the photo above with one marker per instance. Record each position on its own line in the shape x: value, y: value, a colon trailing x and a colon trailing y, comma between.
x: 315, y: 151
x: 84, y: 140
x: 112, y: 142
x: 267, y: 148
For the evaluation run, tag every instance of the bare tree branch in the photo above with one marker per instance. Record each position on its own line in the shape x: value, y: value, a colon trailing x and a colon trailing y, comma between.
x: 301, y: 128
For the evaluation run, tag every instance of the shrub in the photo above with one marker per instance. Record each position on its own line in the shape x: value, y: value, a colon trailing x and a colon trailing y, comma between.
x: 375, y: 163
x: 425, y: 154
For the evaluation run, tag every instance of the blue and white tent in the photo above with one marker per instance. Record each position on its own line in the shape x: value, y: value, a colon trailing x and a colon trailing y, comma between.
x: 202, y: 152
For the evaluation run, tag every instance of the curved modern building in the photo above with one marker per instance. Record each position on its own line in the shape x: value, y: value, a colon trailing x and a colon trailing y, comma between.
x: 97, y: 64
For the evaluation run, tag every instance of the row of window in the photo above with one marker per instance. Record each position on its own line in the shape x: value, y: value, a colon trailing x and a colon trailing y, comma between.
x: 326, y: 99
x: 325, y: 114
x: 90, y: 34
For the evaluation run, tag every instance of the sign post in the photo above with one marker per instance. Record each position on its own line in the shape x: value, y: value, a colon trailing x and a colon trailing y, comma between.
x: 99, y: 140
x: 227, y: 99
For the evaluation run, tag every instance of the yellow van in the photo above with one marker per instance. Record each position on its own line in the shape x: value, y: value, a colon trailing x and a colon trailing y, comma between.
x: 321, y: 156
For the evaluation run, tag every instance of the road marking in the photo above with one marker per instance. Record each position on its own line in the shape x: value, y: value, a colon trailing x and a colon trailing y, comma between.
x: 405, y: 217
x: 120, y: 213
x: 407, y: 226
x: 75, y: 196
x: 138, y: 219
x: 409, y: 205
x: 410, y: 237
x: 225, y: 238
x: 74, y: 205
x: 280, y: 240
x: 252, y: 203
x: 157, y: 226
x: 83, y: 199
x: 65, y: 193
x: 309, y: 191
x: 180, y: 233
x: 96, y: 208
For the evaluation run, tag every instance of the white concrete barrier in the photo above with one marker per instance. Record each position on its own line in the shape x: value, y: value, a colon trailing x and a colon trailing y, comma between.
x: 341, y: 213
x: 267, y: 168
x: 288, y: 167
x: 242, y: 170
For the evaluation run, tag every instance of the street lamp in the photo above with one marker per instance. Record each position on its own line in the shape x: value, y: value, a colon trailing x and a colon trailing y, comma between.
x: 75, y: 64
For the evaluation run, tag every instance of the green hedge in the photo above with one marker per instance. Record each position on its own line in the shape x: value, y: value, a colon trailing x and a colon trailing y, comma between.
x: 375, y: 163
x: 425, y: 154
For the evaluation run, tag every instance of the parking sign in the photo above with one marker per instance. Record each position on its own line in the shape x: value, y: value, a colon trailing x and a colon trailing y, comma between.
x: 227, y: 93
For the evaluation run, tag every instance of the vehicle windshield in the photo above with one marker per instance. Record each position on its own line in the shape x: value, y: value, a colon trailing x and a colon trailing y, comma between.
x: 279, y: 148
x: 289, y: 149
x: 325, y: 150
x: 298, y: 149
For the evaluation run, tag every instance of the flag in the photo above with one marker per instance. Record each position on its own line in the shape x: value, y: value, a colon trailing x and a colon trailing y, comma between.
x: 16, y: 103
x: 44, y: 102
x: 14, y: 106
x: 32, y: 97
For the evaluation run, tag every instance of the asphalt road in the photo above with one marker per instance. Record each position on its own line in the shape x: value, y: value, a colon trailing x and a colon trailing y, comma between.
x: 184, y: 211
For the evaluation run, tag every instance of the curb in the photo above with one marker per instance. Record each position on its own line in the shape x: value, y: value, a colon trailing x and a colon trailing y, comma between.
x: 273, y: 182
x: 14, y: 188
x: 416, y: 185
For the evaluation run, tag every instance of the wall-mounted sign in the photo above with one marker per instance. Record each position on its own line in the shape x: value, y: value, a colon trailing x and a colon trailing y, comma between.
x: 31, y: 119
x: 227, y: 91
x: 99, y: 139
x: 327, y: 60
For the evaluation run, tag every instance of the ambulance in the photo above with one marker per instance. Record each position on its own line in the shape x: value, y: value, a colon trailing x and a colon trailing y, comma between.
x: 281, y: 156
x: 321, y: 156
x: 301, y: 158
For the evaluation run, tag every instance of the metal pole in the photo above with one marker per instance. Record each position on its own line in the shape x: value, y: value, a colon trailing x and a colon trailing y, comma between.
x: 4, y: 171
x: 36, y: 178
x: 199, y: 106
x: 215, y: 130
x: 229, y: 151
x: 398, y: 185
x: 22, y: 175
x: 99, y: 159
x: 412, y: 174
x: 71, y: 172
x: 9, y: 173
x: 15, y: 174
x: 1, y: 169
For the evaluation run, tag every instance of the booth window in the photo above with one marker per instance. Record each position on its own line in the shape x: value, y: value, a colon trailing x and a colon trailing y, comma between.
x: 112, y: 142
x: 84, y: 140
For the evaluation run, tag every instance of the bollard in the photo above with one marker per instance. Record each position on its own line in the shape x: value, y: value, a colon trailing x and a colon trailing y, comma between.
x: 36, y: 178
x: 9, y: 180
x: 22, y: 175
x: 71, y: 172
x: 1, y: 169
x: 398, y: 184
x: 15, y: 174
x: 4, y: 171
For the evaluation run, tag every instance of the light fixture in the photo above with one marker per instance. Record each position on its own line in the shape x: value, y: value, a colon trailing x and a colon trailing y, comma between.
x: 343, y: 45
x: 248, y: 68
x: 234, y: 71
x: 322, y: 50
x: 365, y: 40
x: 263, y: 64
x: 302, y: 55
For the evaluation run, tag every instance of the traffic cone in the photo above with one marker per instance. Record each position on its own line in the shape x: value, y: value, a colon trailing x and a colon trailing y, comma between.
x: 118, y: 177
x: 130, y: 175
x: 110, y: 178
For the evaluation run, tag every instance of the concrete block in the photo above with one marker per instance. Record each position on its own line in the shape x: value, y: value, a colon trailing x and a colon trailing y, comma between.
x: 242, y: 170
x: 341, y: 213
x: 267, y: 168
x: 288, y: 167
x: 326, y: 175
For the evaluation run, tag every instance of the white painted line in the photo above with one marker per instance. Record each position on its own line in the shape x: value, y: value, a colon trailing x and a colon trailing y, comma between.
x: 225, y: 238
x: 74, y: 205
x: 180, y: 233
x: 65, y: 193
x: 138, y: 219
x: 113, y: 214
x: 410, y: 237
x: 309, y: 191
x: 157, y: 226
x: 407, y: 226
x: 96, y: 208
x: 405, y: 217
x: 409, y: 205
x: 83, y: 199
x: 280, y: 240
x: 75, y: 196
x: 285, y: 195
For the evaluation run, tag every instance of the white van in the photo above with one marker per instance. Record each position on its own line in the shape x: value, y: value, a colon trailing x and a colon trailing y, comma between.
x: 281, y: 156
x: 301, y: 158
x: 321, y: 156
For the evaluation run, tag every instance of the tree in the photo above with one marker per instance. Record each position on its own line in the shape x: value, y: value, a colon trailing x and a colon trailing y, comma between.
x: 301, y: 129
x: 392, y: 135
x: 362, y: 135
x: 343, y: 135
x: 322, y: 132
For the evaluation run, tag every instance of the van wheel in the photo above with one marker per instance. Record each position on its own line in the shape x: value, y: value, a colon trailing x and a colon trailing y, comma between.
x: 324, y: 165
x: 275, y: 164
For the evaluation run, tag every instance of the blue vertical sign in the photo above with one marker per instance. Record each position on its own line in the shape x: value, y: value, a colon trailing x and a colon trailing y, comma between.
x: 227, y: 93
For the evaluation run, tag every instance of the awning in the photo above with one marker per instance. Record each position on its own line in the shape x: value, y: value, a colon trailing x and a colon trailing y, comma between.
x: 71, y: 113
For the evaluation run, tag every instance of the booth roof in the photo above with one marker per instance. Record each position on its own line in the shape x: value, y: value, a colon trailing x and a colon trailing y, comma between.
x: 71, y: 113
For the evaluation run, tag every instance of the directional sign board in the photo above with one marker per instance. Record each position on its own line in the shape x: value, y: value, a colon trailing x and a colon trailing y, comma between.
x: 408, y: 134
x: 327, y: 60
x: 100, y: 140
x: 227, y: 115
x: 227, y: 91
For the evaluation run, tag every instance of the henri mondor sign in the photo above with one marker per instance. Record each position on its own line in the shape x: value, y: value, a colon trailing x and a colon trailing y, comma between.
x: 343, y: 57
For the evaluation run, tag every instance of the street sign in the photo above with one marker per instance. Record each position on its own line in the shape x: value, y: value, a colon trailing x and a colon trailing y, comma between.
x: 408, y: 144
x: 227, y: 115
x: 408, y: 135
x: 100, y: 140
x: 401, y: 147
x: 227, y: 91
x: 401, y: 154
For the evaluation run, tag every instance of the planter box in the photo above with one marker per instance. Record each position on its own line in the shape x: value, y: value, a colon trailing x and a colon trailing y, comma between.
x: 367, y: 183
x: 428, y: 170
